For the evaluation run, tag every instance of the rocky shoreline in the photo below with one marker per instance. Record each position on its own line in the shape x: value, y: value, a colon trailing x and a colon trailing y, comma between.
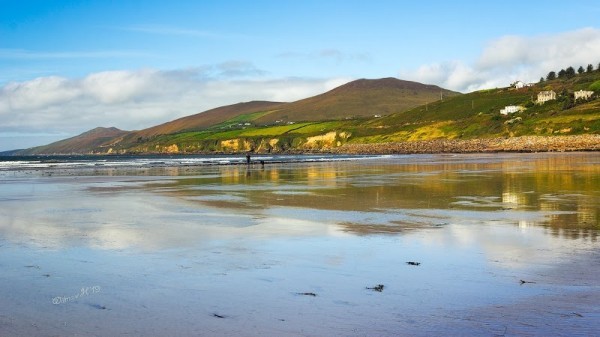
x: 588, y: 142
x: 513, y: 144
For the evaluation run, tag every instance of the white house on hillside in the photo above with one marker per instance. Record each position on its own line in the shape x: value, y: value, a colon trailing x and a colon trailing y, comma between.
x: 511, y: 109
x: 583, y: 94
x: 545, y: 96
x: 520, y: 84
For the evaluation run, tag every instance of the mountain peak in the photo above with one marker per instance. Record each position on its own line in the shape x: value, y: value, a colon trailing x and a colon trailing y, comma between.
x: 359, y: 98
x: 385, y: 83
x: 87, y: 142
x: 102, y: 130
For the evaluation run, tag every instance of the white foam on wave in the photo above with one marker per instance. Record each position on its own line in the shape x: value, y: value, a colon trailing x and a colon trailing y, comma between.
x: 169, y: 161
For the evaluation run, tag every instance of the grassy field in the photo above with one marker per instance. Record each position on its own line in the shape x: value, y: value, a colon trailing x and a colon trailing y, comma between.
x: 241, y: 119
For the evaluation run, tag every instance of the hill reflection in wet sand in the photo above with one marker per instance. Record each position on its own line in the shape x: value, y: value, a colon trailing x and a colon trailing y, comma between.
x: 499, y: 244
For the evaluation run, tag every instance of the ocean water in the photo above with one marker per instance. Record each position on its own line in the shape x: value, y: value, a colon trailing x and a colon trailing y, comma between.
x: 145, y: 161
x: 498, y: 245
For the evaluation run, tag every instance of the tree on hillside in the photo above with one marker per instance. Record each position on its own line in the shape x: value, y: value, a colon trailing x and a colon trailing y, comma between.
x: 590, y: 68
x: 570, y: 72
x: 580, y: 70
x: 541, y: 79
x: 567, y: 99
x: 551, y: 76
x: 562, y: 73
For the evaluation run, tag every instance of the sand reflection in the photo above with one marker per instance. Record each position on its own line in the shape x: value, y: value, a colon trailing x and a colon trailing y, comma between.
x: 226, y: 250
x: 558, y: 192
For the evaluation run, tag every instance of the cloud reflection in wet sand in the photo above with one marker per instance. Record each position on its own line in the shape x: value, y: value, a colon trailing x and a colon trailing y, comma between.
x: 226, y: 240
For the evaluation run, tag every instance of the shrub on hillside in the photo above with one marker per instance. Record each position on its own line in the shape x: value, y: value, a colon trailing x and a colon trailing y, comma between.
x: 595, y: 86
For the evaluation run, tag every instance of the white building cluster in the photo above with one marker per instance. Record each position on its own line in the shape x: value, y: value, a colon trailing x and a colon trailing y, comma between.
x: 520, y: 84
x: 511, y: 109
x: 542, y: 97
x: 545, y: 96
x: 583, y: 94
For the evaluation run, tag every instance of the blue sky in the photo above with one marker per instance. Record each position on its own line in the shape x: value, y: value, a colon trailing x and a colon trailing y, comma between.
x: 69, y: 66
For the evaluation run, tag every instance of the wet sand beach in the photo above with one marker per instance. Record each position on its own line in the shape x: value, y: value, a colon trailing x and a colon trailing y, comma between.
x: 499, y: 245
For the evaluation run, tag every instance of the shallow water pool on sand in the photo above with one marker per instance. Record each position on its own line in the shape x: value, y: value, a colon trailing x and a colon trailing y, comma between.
x: 503, y: 244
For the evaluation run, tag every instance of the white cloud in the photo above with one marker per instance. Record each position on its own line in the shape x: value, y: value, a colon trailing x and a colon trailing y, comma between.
x: 141, y: 98
x: 509, y: 58
x: 110, y: 87
x: 37, y: 93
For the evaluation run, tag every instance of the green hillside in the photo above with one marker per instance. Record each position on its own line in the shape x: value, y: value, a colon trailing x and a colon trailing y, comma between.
x: 468, y: 116
x: 260, y: 127
x: 477, y: 115
x: 287, y: 126
x: 202, y: 120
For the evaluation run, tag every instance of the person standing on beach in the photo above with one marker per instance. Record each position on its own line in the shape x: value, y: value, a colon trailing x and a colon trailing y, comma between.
x: 247, y: 158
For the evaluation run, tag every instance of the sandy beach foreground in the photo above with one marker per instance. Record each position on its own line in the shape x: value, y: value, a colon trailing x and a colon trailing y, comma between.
x: 486, y: 244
